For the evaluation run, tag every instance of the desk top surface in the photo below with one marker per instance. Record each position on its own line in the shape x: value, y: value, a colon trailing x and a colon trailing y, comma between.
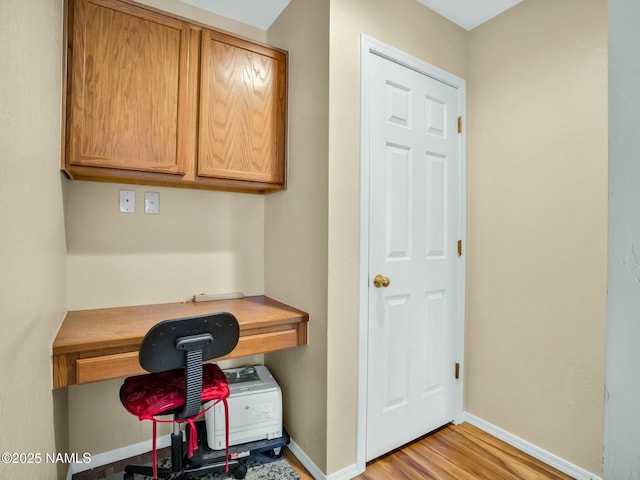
x: 126, y: 326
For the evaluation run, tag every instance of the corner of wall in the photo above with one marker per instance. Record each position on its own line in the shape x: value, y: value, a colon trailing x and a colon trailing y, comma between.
x: 537, y: 225
x: 32, y: 241
x: 296, y: 223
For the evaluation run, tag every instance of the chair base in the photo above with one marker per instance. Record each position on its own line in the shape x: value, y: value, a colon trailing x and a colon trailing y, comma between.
x: 206, y: 461
x: 236, y: 470
x: 182, y: 468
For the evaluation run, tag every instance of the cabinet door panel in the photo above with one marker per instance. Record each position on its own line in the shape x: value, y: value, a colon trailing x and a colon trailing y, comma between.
x: 128, y: 93
x: 242, y: 110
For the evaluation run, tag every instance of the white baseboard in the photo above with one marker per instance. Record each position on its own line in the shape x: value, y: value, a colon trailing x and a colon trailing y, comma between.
x: 530, y: 449
x: 118, y: 454
x: 346, y: 473
x: 306, y: 462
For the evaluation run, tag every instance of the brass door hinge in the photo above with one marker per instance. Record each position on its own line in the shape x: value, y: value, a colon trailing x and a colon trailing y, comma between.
x: 457, y: 370
x: 459, y: 248
x: 459, y: 124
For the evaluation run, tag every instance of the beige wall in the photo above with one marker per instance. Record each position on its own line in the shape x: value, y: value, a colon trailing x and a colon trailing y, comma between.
x: 202, y: 242
x: 409, y: 26
x: 32, y: 252
x: 296, y: 223
x: 537, y: 224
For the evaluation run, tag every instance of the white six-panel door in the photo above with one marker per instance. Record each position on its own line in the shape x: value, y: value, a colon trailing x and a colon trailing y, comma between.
x: 414, y: 228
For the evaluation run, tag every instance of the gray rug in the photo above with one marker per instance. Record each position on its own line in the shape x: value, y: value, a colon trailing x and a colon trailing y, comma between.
x: 262, y: 469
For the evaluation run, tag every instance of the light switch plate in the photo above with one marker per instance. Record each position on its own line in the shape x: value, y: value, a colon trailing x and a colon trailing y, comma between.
x: 152, y: 203
x: 127, y: 201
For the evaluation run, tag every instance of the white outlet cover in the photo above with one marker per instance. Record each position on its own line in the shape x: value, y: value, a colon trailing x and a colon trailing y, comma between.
x: 152, y: 203
x: 127, y: 201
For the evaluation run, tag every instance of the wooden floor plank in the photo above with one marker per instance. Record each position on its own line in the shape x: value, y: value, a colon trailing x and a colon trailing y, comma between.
x: 440, y: 464
x: 538, y: 469
x: 454, y: 452
x: 453, y: 447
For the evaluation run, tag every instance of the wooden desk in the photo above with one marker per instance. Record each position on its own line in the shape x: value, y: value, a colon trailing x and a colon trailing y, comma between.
x: 102, y: 344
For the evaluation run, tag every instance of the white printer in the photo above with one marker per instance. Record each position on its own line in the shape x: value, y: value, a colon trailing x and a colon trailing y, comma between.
x: 255, y: 409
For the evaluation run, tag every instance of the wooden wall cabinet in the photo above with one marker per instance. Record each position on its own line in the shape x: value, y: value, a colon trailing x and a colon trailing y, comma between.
x: 155, y: 99
x: 241, y: 109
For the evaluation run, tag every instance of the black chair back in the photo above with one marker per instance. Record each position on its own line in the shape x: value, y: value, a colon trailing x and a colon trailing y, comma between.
x: 186, y: 343
x: 159, y: 349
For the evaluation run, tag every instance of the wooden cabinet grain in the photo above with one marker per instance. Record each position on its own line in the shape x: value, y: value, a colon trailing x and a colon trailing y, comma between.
x: 154, y: 99
x: 127, y: 100
x: 241, y: 110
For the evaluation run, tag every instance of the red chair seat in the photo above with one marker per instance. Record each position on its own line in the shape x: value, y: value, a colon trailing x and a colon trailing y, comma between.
x: 162, y: 393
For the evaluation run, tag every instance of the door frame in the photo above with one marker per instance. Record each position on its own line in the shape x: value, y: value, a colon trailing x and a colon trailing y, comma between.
x: 369, y: 46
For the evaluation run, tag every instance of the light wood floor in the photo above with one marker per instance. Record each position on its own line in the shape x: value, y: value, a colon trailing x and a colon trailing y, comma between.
x: 455, y: 452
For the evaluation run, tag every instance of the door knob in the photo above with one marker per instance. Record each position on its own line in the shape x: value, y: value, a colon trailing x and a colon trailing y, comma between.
x: 381, y: 281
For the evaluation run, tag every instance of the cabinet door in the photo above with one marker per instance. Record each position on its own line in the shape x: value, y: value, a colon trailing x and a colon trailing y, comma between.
x: 242, y: 110
x: 128, y: 92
